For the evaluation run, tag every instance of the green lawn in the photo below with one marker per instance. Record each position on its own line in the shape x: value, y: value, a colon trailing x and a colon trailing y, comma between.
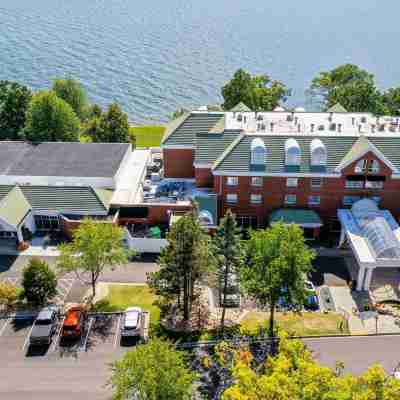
x: 121, y: 297
x: 306, y: 324
x: 148, y: 135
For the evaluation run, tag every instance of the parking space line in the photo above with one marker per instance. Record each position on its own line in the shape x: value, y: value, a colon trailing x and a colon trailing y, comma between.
x: 28, y: 336
x: 56, y: 340
x: 117, y: 333
x: 83, y: 347
x: 4, y: 327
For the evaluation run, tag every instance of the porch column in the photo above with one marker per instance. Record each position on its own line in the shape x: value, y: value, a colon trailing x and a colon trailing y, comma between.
x: 19, y: 236
x: 360, y: 278
x: 368, y: 278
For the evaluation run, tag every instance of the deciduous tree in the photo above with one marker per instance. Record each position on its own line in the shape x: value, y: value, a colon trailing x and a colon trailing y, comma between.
x: 94, y: 247
x: 259, y: 92
x: 276, y: 267
x: 153, y: 371
x: 14, y: 102
x: 72, y: 92
x: 229, y: 254
x: 8, y: 294
x: 39, y: 282
x: 51, y: 119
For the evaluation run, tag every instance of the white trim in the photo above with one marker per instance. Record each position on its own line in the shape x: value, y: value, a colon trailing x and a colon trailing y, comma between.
x: 278, y: 174
x: 205, y: 165
x: 177, y: 147
x: 370, y: 148
x: 322, y: 134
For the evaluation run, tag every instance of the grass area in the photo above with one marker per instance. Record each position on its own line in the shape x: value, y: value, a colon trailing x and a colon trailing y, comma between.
x: 148, y: 135
x: 121, y: 297
x: 306, y: 324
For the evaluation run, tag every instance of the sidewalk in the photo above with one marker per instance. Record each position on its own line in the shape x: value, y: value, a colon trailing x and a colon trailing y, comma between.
x: 32, y: 251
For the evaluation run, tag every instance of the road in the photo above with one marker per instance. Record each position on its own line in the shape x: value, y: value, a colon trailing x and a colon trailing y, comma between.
x: 357, y: 353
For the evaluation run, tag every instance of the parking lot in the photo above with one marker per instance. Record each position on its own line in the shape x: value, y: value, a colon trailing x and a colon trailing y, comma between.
x: 79, y: 368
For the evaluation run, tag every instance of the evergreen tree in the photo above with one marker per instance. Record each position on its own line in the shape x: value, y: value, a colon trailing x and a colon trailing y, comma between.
x: 229, y: 254
x: 114, y: 126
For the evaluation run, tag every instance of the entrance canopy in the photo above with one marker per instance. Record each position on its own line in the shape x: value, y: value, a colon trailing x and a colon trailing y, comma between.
x: 303, y: 218
x: 373, y: 234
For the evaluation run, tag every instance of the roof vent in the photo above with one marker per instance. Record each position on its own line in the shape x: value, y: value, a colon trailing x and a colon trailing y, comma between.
x: 299, y: 109
x: 279, y: 109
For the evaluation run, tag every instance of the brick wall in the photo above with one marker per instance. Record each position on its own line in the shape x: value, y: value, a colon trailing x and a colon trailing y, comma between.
x: 178, y: 163
x: 203, y: 177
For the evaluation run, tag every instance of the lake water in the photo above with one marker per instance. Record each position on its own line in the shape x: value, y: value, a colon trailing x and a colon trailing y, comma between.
x: 154, y: 56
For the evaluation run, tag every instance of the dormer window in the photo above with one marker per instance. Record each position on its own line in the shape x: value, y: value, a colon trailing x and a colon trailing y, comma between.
x: 258, y: 152
x: 292, y: 152
x: 374, y: 167
x: 318, y: 153
x: 361, y: 166
x: 239, y: 118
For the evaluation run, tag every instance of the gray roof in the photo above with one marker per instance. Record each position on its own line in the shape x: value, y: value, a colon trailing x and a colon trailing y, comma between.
x: 237, y: 157
x: 209, y: 146
x: 61, y: 199
x: 184, y: 132
x: 66, y: 159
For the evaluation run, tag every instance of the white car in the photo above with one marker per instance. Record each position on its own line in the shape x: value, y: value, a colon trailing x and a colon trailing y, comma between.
x: 131, y: 322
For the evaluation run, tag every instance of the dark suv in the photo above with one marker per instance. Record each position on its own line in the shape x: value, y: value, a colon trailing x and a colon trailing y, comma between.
x: 44, y: 327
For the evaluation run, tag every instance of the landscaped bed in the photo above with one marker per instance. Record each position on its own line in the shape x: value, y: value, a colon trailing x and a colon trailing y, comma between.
x: 148, y: 136
x: 305, y: 324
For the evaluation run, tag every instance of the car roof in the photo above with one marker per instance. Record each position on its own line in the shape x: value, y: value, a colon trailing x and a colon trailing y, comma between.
x: 46, y: 313
x: 72, y: 317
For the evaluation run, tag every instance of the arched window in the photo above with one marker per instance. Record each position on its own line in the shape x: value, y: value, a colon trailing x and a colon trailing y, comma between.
x: 292, y: 152
x: 361, y: 166
x: 374, y: 167
x: 258, y: 152
x: 318, y: 153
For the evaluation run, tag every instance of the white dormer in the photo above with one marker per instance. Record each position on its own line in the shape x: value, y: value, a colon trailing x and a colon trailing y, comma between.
x: 318, y: 153
x: 258, y: 151
x: 292, y: 152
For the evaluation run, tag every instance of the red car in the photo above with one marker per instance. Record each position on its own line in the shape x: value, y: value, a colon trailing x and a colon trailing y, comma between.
x: 74, y: 322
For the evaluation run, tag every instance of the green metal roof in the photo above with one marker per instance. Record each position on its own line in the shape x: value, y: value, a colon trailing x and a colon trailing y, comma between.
x: 240, y: 107
x: 14, y: 207
x: 337, y: 108
x: 237, y: 155
x: 182, y: 132
x: 295, y: 216
x: 105, y: 196
x: 4, y: 190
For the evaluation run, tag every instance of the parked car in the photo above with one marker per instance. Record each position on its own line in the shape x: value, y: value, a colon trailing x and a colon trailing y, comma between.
x: 131, y: 322
x: 44, y: 327
x: 74, y: 322
x: 312, y: 302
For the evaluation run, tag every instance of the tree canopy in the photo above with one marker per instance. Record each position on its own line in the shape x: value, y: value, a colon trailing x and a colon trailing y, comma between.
x: 14, y: 102
x: 99, y: 245
x: 277, y: 264
x: 258, y: 92
x: 72, y: 92
x: 50, y: 119
x: 293, y: 374
x: 153, y: 371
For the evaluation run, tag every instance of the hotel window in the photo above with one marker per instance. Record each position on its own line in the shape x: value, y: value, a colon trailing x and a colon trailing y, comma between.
x: 290, y: 199
x: 255, y: 198
x: 374, y: 184
x: 361, y: 166
x: 316, y: 183
x: 292, y: 182
x: 354, y: 184
x: 350, y: 200
x: 231, y: 198
x: 232, y: 180
x: 314, y: 200
x: 256, y: 181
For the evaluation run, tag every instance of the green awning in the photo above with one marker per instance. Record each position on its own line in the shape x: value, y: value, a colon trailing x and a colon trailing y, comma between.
x: 304, y: 218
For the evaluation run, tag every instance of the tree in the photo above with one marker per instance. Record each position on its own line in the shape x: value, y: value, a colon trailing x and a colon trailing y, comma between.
x: 229, y: 254
x: 152, y: 371
x: 51, y: 119
x: 94, y: 111
x: 178, y: 113
x: 258, y: 92
x: 94, y: 247
x: 391, y: 101
x: 8, y: 294
x: 72, y: 92
x: 113, y: 126
x: 293, y: 374
x: 276, y: 267
x: 183, y: 262
x: 39, y: 282
x: 349, y: 85
x: 14, y: 102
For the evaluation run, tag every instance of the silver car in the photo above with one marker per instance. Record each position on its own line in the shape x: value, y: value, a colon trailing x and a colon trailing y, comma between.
x: 131, y: 322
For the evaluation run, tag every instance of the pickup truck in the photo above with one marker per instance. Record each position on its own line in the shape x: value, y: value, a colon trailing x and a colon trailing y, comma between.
x: 44, y: 327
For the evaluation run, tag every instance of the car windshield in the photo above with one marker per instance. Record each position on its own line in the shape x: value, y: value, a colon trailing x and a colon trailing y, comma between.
x: 43, y: 322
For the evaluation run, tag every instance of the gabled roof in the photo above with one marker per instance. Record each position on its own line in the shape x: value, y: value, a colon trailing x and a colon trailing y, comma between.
x: 183, y: 131
x: 240, y: 107
x: 361, y: 147
x: 14, y: 207
x: 173, y: 125
x: 337, y: 108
